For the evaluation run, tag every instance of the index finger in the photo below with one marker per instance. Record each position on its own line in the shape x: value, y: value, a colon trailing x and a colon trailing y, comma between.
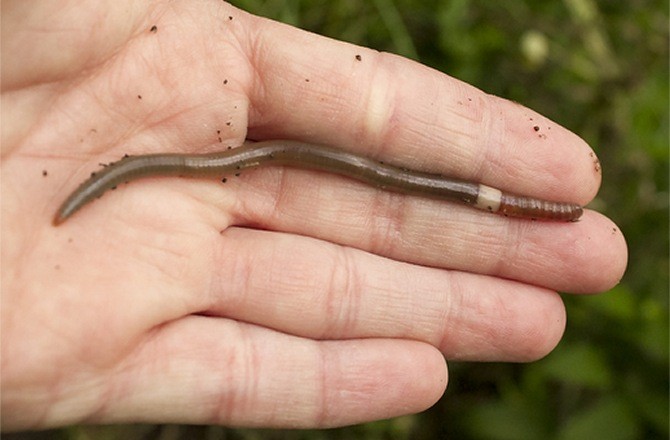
x: 331, y: 92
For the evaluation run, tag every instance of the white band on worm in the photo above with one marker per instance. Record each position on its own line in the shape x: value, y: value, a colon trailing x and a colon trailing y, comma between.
x: 488, y: 198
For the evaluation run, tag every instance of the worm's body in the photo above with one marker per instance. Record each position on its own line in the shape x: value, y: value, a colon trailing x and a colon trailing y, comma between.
x: 314, y: 157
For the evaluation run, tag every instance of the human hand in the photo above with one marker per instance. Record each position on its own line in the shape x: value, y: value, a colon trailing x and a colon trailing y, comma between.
x: 283, y: 298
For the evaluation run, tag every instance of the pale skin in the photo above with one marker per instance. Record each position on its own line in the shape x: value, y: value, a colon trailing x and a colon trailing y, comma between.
x: 282, y: 298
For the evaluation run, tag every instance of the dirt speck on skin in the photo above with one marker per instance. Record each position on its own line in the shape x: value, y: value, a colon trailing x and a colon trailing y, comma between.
x: 596, y: 162
x: 153, y: 29
x: 358, y: 58
x: 536, y: 128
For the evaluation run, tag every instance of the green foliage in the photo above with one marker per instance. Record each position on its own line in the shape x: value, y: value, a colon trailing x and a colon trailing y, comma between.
x: 601, y: 69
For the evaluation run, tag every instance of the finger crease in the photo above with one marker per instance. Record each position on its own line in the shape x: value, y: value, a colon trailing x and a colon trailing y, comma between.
x: 343, y: 296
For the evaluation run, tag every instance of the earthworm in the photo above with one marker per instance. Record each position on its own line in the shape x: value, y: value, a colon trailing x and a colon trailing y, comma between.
x: 315, y: 157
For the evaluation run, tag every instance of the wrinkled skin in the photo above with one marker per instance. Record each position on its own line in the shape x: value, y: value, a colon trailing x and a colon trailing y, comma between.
x: 282, y: 298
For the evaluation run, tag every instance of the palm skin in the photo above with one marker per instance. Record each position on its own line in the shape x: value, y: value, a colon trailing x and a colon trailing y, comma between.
x: 283, y: 298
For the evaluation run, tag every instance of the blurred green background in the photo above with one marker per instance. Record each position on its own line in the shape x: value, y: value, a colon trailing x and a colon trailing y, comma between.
x: 599, y: 68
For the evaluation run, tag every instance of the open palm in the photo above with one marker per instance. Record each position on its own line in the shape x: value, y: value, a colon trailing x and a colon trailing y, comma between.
x: 282, y: 297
